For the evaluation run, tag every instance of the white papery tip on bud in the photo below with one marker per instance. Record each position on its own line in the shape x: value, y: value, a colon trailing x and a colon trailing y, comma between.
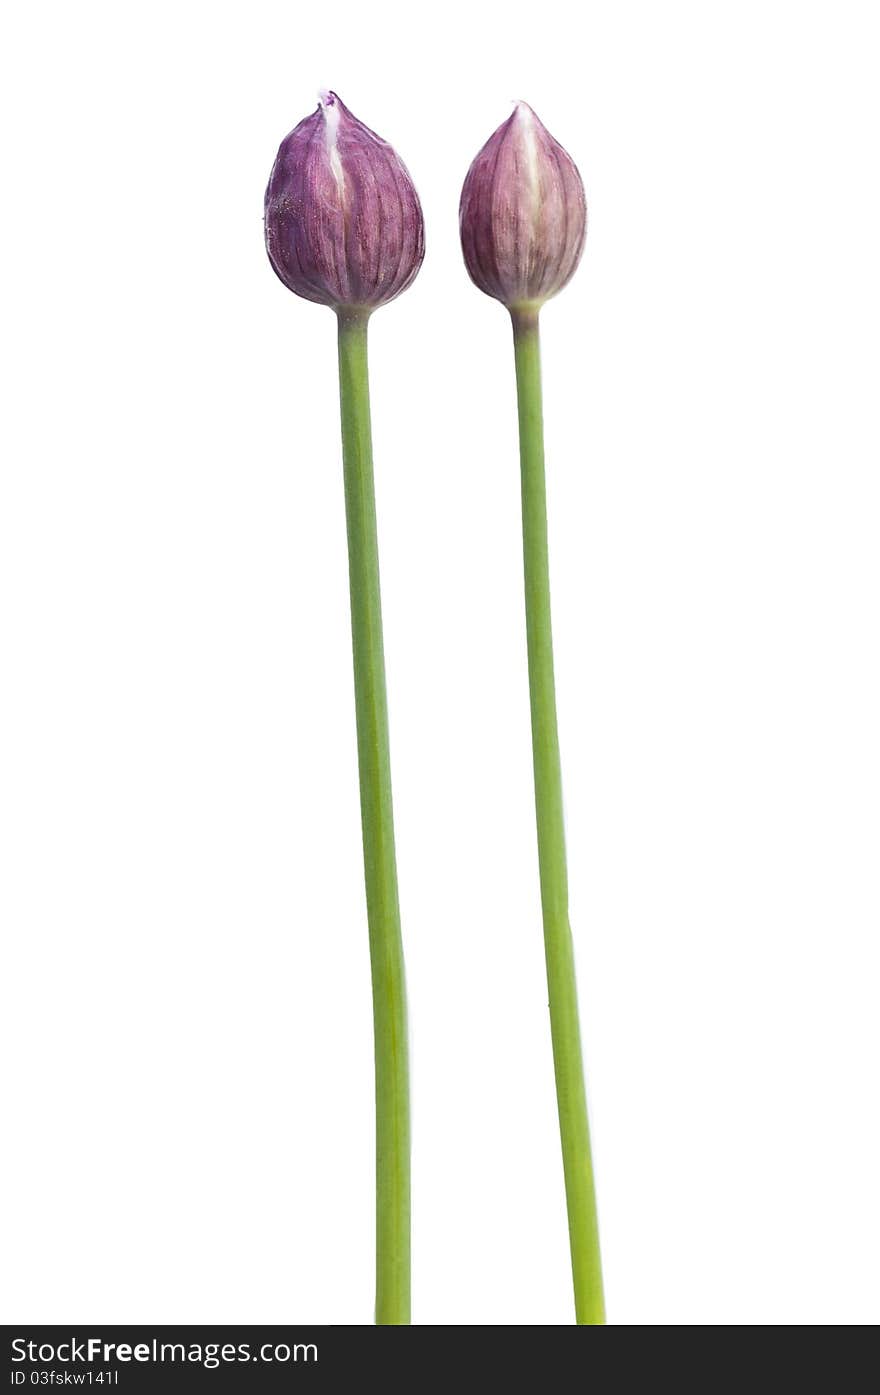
x: 526, y: 119
x: 330, y: 111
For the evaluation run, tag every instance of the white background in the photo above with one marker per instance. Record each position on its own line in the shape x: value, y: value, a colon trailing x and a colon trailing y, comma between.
x: 187, y: 1041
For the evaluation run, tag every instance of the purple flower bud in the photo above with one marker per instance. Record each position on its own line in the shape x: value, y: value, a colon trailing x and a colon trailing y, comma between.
x: 344, y: 225
x: 523, y: 214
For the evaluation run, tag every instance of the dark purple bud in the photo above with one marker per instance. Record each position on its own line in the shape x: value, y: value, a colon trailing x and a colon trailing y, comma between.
x: 523, y: 214
x: 344, y: 225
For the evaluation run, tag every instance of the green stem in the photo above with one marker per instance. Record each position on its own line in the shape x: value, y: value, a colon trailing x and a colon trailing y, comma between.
x: 380, y: 869
x: 558, y: 950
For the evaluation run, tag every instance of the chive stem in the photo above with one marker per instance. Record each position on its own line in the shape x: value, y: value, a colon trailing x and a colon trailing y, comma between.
x: 380, y: 869
x: 558, y: 949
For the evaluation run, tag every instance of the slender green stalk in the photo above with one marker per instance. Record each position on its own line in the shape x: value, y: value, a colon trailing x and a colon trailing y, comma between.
x: 558, y: 950
x: 380, y: 869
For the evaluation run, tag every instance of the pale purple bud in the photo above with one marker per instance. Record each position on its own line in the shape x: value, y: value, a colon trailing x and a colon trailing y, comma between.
x: 344, y: 225
x: 523, y: 214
